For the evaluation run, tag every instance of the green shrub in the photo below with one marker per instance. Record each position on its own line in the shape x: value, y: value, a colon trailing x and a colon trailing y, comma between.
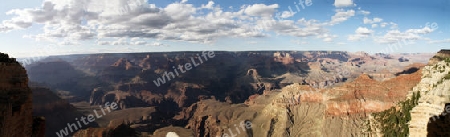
x: 393, y: 122
x: 447, y: 60
x: 447, y: 76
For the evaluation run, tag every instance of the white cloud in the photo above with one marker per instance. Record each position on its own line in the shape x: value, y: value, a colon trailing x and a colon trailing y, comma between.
x: 301, y: 28
x: 5, y: 28
x: 177, y: 12
x: 364, y: 12
x: 424, y: 30
x: 156, y: 44
x: 363, y: 31
x: 260, y: 10
x: 137, y: 41
x: 69, y: 42
x: 374, y: 25
x: 119, y: 22
x: 393, y: 25
x: 355, y: 37
x: 341, y: 16
x: 371, y: 21
x: 383, y: 24
x: 103, y: 43
x: 393, y: 36
x: 327, y: 37
x: 343, y: 3
x: 439, y: 41
x: 360, y: 33
x: 210, y: 5
x: 90, y: 19
x: 287, y: 14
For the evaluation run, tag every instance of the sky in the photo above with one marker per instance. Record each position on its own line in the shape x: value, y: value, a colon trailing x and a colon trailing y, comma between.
x: 60, y: 27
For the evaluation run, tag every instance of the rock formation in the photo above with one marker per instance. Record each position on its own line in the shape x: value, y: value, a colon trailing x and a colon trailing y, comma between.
x: 441, y: 55
x: 300, y: 110
x: 435, y: 96
x: 56, y: 111
x: 286, y: 93
x: 16, y: 118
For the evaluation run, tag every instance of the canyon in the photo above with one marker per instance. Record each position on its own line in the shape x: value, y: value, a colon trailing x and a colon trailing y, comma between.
x: 282, y: 93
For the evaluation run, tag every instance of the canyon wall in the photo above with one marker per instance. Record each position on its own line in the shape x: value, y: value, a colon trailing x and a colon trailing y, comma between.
x: 427, y: 118
x: 15, y: 104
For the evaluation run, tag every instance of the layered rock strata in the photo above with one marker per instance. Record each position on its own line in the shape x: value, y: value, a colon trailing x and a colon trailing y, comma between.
x: 435, y: 96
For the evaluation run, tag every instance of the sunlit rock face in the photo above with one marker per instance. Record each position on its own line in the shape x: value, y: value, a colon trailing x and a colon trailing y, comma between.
x: 427, y: 117
x: 299, y: 110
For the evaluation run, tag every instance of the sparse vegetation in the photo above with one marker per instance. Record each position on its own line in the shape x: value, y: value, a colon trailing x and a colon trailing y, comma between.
x: 435, y: 67
x: 394, y: 121
x: 447, y: 76
x: 447, y: 60
x: 440, y: 81
x: 442, y: 58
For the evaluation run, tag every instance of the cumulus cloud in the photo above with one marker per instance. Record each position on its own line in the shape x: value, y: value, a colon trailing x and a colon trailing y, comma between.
x: 364, y: 12
x: 360, y: 33
x: 4, y: 28
x: 89, y: 19
x: 287, y: 14
x: 327, y: 37
x: 393, y: 25
x: 374, y: 25
x: 301, y: 28
x: 208, y: 6
x: 341, y: 16
x: 394, y: 36
x: 116, y: 22
x: 343, y: 3
x: 424, y: 30
x: 261, y: 10
x: 371, y: 21
x: 363, y: 31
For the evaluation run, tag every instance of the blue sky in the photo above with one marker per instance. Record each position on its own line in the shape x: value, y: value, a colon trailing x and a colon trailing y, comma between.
x: 55, y: 27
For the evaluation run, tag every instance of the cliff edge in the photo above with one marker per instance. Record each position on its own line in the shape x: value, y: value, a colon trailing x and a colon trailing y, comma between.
x: 15, y: 104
